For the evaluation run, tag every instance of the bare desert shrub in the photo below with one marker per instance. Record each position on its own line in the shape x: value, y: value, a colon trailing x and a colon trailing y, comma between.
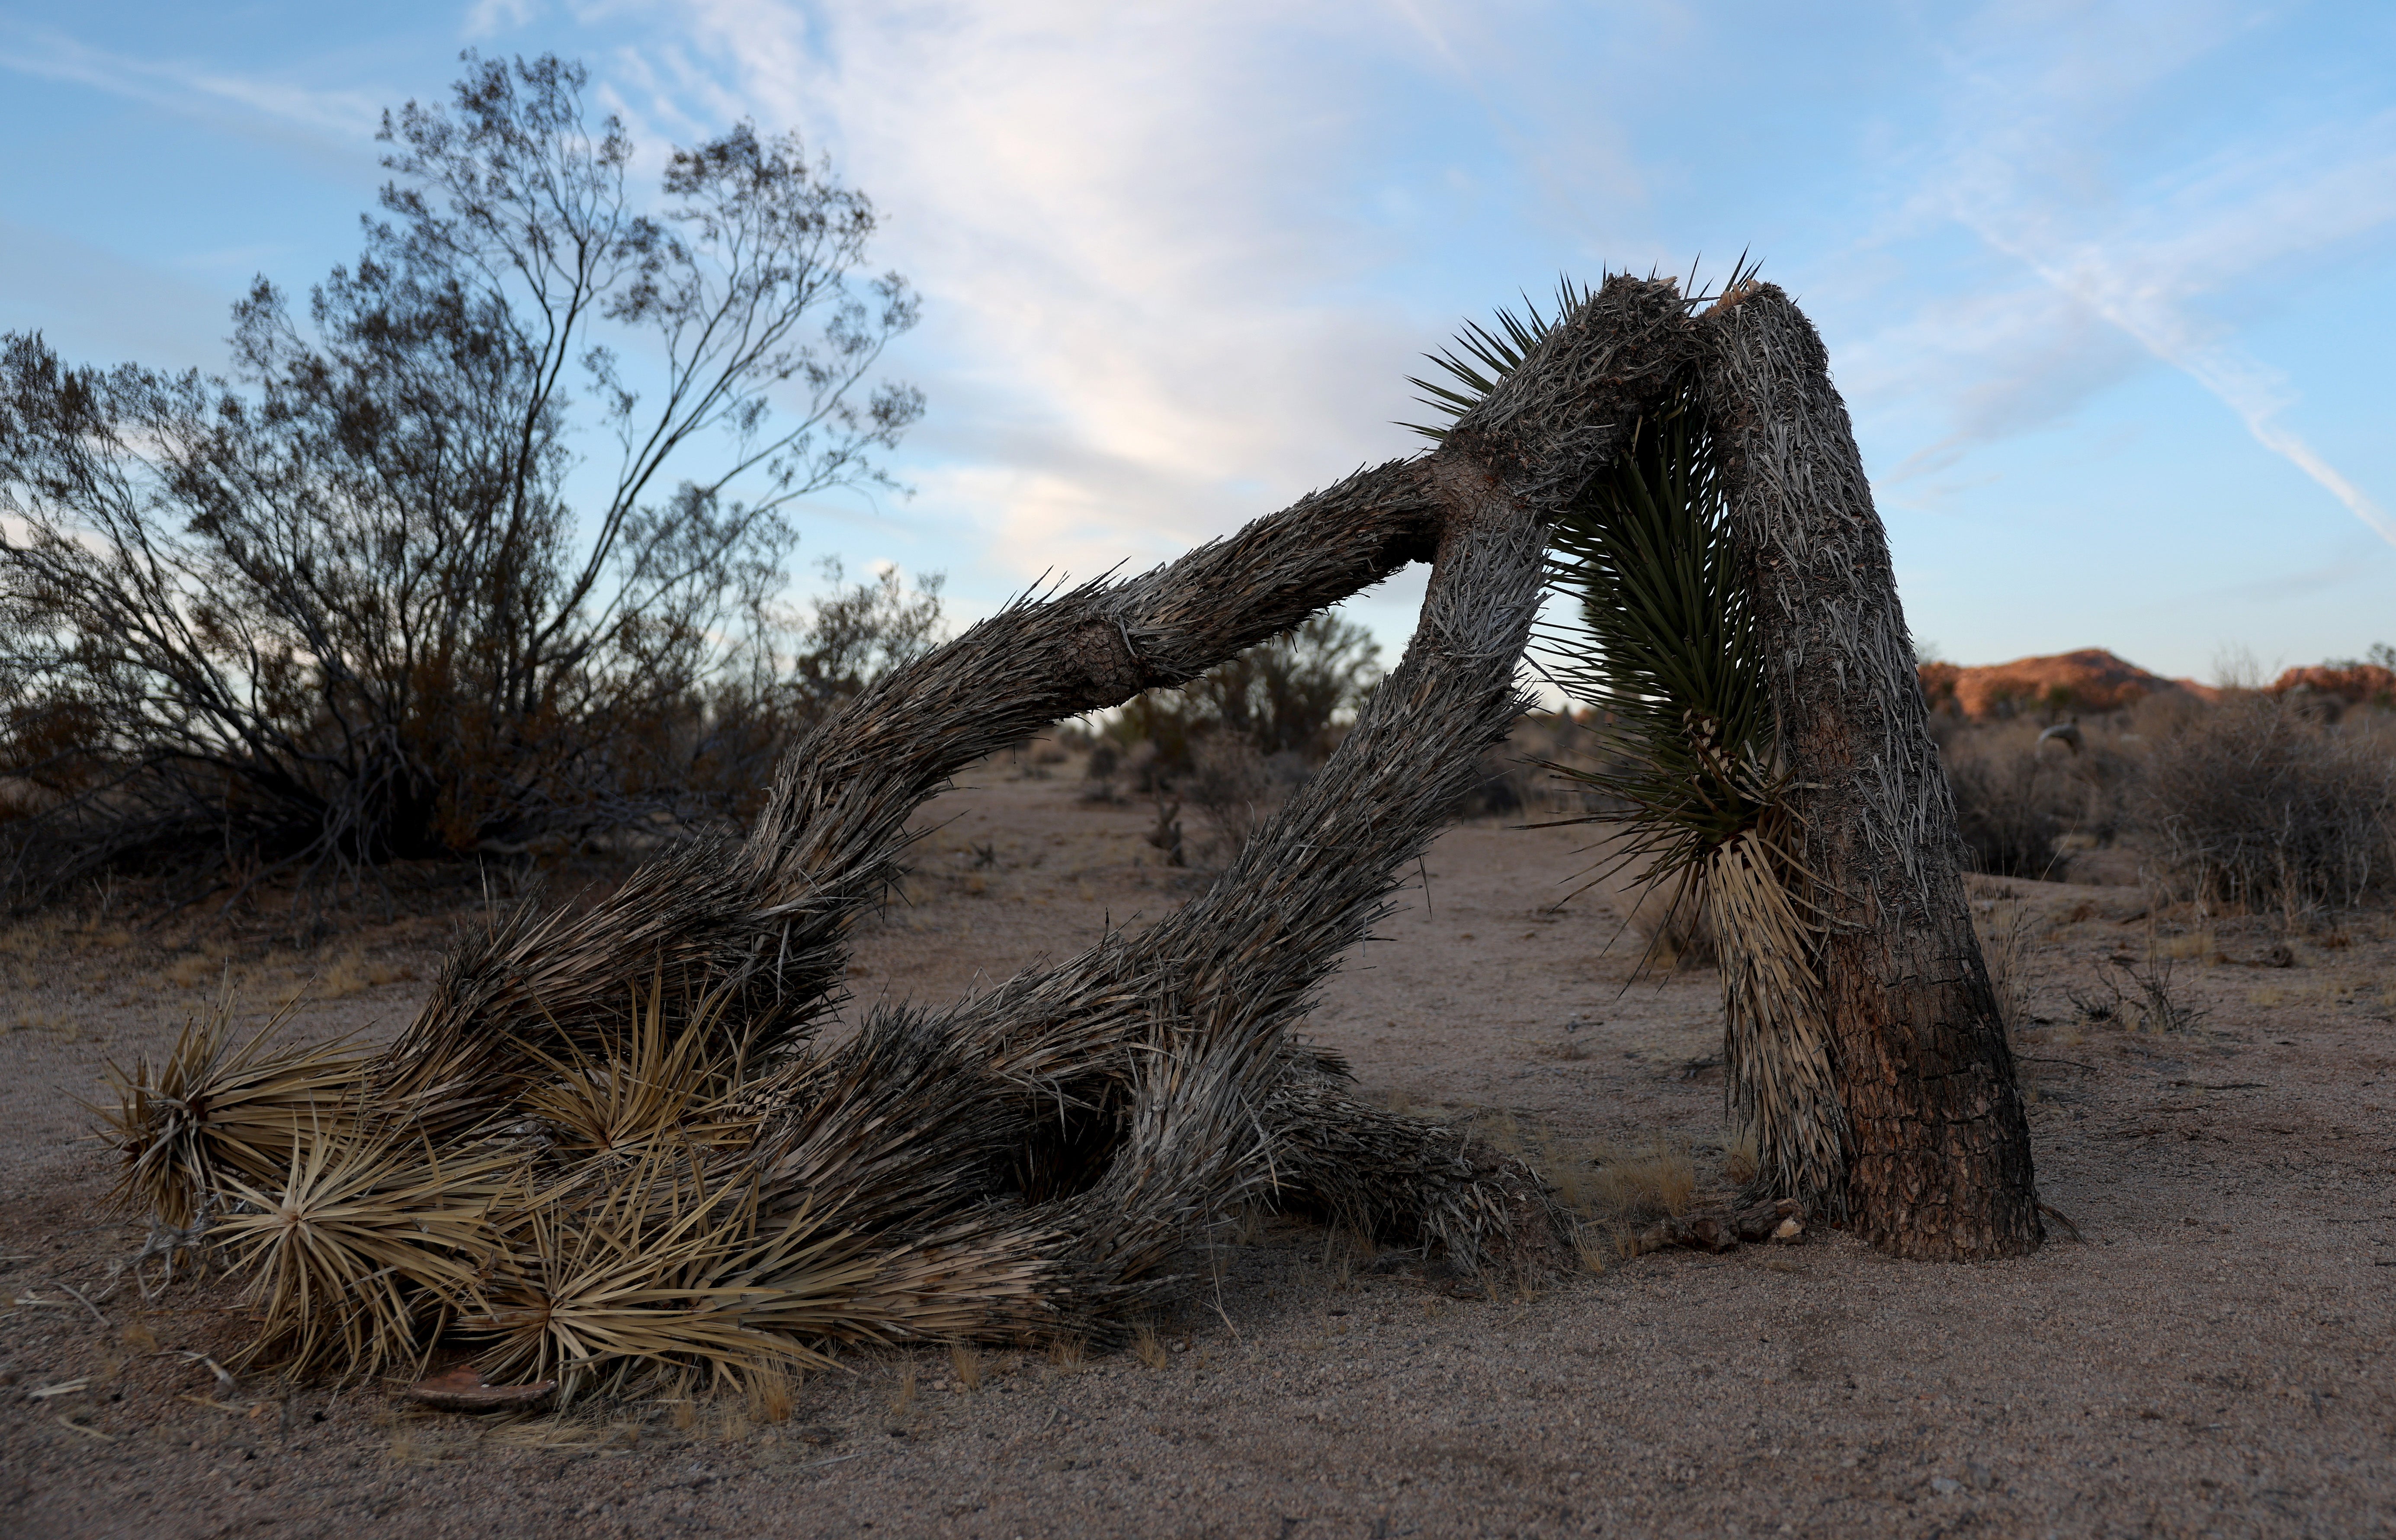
x: 2011, y: 804
x: 2256, y: 806
x: 1229, y: 787
x: 2028, y: 792
x: 1291, y: 695
x: 351, y: 605
x: 2137, y: 997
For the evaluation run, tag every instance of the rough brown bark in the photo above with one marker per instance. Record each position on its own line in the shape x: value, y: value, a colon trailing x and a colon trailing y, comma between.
x: 1939, y: 1161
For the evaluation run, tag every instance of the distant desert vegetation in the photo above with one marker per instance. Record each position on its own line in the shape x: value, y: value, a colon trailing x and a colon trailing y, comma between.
x: 2259, y: 797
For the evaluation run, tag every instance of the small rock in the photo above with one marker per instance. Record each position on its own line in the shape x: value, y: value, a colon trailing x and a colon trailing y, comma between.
x: 1945, y: 1485
x: 1980, y: 1476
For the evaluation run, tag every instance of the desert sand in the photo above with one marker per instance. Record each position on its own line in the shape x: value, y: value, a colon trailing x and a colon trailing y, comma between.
x: 2211, y: 1356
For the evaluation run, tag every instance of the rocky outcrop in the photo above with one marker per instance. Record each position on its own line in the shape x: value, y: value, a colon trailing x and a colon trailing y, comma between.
x: 2090, y: 680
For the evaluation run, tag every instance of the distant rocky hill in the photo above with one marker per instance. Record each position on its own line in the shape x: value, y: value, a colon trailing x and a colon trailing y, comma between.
x: 2355, y: 684
x: 2090, y: 680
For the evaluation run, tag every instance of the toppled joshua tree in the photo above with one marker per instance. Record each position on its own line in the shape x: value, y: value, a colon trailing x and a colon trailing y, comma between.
x: 613, y: 1141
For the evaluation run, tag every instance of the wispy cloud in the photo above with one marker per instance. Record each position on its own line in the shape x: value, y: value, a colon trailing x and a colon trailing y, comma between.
x: 175, y: 84
x: 488, y: 18
x: 1146, y: 315
x: 2052, y: 99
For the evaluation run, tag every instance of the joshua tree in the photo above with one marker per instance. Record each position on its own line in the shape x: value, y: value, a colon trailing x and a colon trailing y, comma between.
x: 610, y: 1139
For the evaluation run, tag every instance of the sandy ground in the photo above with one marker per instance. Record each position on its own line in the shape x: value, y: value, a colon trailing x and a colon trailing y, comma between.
x: 2213, y: 1359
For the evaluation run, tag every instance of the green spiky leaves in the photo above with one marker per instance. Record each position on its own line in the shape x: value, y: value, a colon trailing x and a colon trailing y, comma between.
x: 1665, y: 649
x: 1489, y: 355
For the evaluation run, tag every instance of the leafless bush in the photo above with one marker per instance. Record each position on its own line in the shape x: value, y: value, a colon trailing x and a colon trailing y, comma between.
x: 345, y: 608
x: 1231, y: 787
x: 2018, y: 798
x: 2136, y: 997
x: 2256, y: 806
x: 1289, y: 699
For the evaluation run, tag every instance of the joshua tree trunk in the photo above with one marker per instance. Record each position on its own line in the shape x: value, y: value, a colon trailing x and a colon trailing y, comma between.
x: 1940, y: 1160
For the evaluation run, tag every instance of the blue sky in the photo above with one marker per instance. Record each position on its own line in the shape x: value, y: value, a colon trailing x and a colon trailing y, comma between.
x: 2106, y: 286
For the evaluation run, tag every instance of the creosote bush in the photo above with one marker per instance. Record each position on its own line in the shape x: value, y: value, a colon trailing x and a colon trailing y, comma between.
x: 350, y: 605
x: 2016, y: 799
x: 1289, y: 696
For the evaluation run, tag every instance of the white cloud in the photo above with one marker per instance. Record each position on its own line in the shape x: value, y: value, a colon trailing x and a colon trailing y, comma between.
x: 488, y: 18
x: 2051, y: 104
x: 179, y: 85
x: 1148, y: 306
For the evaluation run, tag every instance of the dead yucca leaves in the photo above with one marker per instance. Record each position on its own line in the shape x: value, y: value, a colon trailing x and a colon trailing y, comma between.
x: 662, y: 1083
x: 1776, y: 1043
x: 364, y: 1236
x: 218, y: 1107
x: 598, y: 1283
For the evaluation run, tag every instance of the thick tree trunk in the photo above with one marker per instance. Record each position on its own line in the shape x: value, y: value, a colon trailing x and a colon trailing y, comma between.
x: 1939, y: 1159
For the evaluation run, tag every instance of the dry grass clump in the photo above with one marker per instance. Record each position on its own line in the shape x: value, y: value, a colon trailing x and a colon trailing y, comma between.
x: 193, y: 970
x: 1739, y: 1161
x: 773, y: 1394
x: 353, y: 973
x: 2258, y: 806
x: 1654, y: 1180
x: 1605, y: 1190
x: 2003, y: 926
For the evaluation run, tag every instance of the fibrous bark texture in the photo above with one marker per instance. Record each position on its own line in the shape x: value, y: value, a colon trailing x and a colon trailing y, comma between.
x: 1939, y: 1156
